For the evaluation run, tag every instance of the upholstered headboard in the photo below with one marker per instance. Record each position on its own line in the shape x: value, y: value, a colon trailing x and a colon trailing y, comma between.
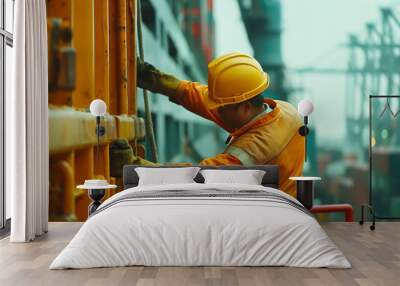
x: 271, y: 177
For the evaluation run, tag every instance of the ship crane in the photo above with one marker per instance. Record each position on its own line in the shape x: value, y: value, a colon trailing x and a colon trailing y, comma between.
x: 373, y: 68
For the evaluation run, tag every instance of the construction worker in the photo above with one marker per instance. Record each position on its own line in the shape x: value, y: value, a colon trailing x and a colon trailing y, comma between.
x: 262, y: 131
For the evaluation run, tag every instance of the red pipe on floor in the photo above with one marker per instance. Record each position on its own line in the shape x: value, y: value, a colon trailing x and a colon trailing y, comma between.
x: 347, y: 209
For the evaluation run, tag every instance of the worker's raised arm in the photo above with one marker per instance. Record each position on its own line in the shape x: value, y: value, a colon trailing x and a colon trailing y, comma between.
x: 221, y: 159
x: 191, y: 96
x: 186, y: 93
x: 150, y: 78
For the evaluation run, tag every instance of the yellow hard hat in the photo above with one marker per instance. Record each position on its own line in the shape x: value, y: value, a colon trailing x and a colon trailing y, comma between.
x: 234, y: 78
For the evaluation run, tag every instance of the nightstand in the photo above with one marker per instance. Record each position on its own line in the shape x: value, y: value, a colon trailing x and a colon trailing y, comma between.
x: 305, y: 190
x: 96, y: 191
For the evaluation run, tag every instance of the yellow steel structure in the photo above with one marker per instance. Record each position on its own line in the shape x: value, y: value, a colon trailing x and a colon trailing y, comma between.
x: 91, y: 55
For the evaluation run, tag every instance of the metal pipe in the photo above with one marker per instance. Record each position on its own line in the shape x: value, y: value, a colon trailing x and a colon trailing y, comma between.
x: 347, y: 209
x: 67, y: 172
x: 122, y: 58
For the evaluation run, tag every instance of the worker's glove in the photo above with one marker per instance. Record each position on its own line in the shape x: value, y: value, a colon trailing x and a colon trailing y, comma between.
x: 136, y: 160
x: 150, y: 78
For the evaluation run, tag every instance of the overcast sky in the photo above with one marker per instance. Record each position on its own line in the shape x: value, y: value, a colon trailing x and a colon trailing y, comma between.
x: 313, y: 31
x: 231, y: 35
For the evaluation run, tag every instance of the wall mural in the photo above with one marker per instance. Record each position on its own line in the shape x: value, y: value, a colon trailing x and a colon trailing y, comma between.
x: 159, y: 83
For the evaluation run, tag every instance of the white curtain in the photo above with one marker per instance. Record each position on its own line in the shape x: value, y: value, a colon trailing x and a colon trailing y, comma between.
x: 27, y: 150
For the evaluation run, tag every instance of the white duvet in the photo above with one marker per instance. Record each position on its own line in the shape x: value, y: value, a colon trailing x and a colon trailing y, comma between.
x: 200, y: 231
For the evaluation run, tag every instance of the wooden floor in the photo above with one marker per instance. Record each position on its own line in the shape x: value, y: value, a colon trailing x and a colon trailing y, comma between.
x: 375, y: 257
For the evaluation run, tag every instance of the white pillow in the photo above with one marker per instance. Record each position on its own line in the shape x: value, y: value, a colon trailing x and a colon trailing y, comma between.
x: 247, y: 177
x: 166, y: 176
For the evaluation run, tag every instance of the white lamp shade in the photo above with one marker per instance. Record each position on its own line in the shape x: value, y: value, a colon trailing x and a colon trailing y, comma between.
x: 305, y: 107
x: 98, y: 107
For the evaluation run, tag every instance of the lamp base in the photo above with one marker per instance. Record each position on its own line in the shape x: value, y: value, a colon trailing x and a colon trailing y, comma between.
x: 96, y: 195
x: 305, y: 193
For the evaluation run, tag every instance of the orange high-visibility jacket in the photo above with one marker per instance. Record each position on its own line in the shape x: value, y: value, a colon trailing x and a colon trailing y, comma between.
x: 271, y: 138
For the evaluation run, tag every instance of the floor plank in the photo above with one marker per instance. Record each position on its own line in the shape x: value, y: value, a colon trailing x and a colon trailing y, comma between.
x: 375, y: 257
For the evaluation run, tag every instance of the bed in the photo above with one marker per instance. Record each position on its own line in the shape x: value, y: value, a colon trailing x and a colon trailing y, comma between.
x: 198, y: 224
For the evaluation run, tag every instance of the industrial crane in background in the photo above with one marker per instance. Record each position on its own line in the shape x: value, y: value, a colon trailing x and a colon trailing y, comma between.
x: 378, y: 72
x: 373, y: 68
x: 263, y: 22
